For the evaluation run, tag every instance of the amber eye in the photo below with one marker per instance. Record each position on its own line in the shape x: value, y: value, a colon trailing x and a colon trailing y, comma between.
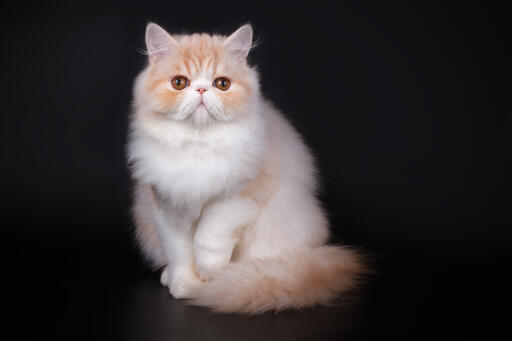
x: 222, y: 83
x: 179, y: 82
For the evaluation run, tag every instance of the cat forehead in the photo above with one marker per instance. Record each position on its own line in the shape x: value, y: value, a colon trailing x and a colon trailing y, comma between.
x: 199, y: 53
x: 200, y: 43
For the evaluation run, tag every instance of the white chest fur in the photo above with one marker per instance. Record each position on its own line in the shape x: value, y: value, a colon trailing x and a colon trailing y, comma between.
x: 190, y: 164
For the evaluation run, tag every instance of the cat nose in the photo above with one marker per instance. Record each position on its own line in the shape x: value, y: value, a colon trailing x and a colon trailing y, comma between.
x: 201, y: 90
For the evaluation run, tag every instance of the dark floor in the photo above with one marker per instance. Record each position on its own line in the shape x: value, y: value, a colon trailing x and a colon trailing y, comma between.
x: 77, y: 290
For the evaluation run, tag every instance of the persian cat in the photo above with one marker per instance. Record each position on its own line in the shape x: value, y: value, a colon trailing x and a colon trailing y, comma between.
x: 225, y: 188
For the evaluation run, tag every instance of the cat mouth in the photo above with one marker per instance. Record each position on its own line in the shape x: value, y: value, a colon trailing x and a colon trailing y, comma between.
x: 202, y: 108
x: 201, y: 115
x: 201, y: 102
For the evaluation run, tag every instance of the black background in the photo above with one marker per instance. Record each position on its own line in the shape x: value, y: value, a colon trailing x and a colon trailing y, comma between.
x: 405, y: 105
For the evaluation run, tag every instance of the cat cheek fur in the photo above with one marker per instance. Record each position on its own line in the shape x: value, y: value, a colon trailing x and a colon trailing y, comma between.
x: 232, y: 198
x: 236, y: 98
x: 157, y: 89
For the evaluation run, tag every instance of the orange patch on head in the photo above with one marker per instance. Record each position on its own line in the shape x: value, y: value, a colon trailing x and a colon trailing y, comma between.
x: 198, y: 51
x: 236, y: 96
x: 158, y: 85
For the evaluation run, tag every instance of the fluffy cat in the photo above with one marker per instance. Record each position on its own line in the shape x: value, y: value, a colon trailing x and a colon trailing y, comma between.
x: 224, y: 197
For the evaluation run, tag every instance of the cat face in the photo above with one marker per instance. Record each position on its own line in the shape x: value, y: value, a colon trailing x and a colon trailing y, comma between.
x: 199, y: 78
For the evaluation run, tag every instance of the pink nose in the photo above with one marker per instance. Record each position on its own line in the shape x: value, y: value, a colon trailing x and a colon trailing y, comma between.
x: 201, y: 90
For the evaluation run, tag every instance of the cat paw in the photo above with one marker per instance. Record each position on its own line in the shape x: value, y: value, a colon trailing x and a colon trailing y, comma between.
x: 164, y: 276
x: 180, y: 282
x: 207, y: 270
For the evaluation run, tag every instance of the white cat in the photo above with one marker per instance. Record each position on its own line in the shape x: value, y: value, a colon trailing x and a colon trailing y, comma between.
x: 225, y: 187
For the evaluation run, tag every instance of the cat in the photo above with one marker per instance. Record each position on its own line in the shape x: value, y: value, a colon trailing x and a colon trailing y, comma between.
x: 225, y: 188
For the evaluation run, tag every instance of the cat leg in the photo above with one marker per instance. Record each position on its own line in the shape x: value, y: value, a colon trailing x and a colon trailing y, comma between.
x: 175, y: 228
x: 218, y: 232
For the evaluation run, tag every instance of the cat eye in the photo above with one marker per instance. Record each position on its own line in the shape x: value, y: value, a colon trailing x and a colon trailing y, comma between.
x: 179, y: 82
x: 222, y: 83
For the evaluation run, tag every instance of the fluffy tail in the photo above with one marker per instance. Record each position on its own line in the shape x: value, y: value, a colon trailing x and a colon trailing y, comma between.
x: 299, y: 279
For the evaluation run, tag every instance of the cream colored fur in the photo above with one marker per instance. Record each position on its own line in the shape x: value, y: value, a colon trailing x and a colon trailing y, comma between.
x: 225, y: 187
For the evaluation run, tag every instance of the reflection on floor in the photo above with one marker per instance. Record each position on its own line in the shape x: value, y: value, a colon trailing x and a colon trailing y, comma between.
x: 86, y: 289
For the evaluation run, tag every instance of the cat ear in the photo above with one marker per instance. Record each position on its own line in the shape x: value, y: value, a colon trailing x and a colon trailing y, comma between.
x: 158, y: 42
x: 239, y: 43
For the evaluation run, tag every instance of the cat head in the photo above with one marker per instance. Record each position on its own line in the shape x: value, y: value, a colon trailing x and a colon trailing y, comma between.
x: 198, y: 78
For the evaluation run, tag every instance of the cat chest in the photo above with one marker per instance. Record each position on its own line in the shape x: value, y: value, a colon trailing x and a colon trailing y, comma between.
x: 199, y: 173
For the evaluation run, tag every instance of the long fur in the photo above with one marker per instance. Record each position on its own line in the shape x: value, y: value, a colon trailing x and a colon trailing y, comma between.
x: 225, y: 188
x: 297, y: 279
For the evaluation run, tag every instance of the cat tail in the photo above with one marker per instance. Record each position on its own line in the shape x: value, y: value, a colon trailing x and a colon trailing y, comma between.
x: 299, y: 279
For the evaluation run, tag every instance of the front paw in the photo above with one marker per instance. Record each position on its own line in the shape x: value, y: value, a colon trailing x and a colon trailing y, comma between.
x: 180, y: 281
x: 208, y: 264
